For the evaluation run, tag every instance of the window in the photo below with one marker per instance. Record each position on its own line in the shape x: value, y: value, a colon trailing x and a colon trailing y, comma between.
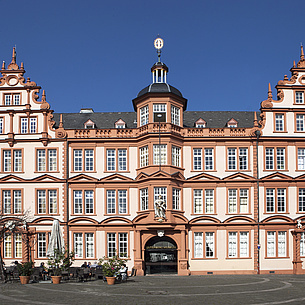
x: 120, y: 124
x: 116, y: 201
x: 300, y: 126
x: 144, y: 199
x: 1, y: 125
x: 47, y: 201
x: 200, y: 123
x: 275, y: 200
x: 46, y: 160
x: 204, y: 205
x: 144, y: 156
x: 116, y: 159
x: 41, y: 245
x: 83, y: 164
x: 176, y: 156
x: 12, y: 160
x: 238, y: 201
x: 176, y: 199
x: 209, y: 159
x: 276, y: 244
x: 175, y: 115
x: 159, y: 112
x: 301, y: 200
x: 160, y: 154
x: 302, y: 244
x: 238, y: 244
x: 117, y: 243
x: 12, y: 99
x: 299, y: 97
x: 209, y: 251
x: 271, y: 162
x: 301, y: 158
x: 240, y: 154
x: 12, y: 245
x: 197, y: 159
x: 279, y: 122
x: 83, y: 201
x: 160, y: 191
x: 144, y: 115
x: 12, y: 201
x: 80, y: 251
x: 28, y: 125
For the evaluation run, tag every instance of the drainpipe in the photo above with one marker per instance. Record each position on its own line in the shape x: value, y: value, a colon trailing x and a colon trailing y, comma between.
x: 257, y: 133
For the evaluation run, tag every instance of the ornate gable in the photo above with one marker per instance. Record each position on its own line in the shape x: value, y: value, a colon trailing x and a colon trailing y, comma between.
x: 83, y: 178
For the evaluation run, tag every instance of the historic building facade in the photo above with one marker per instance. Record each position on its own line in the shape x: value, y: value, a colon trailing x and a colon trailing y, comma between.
x: 190, y: 192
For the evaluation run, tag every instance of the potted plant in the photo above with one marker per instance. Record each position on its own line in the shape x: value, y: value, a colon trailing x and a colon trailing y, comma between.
x: 58, y: 262
x: 111, y: 266
x: 25, y: 270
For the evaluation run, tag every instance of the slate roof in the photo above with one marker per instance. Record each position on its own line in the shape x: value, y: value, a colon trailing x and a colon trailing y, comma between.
x: 160, y: 88
x: 214, y: 119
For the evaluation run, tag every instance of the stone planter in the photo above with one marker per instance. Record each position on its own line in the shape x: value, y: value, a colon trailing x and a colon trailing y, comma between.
x: 56, y: 279
x: 24, y: 279
x: 110, y: 280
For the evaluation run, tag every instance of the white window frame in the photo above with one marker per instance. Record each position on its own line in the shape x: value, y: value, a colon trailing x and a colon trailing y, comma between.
x: 269, y: 158
x: 232, y: 158
x: 176, y: 156
x: 176, y: 199
x: 144, y: 199
x: 279, y: 122
x: 78, y: 245
x: 300, y: 125
x: 197, y: 159
x: 163, y: 149
x: 41, y: 244
x: 175, y: 115
x: 301, y: 158
x: 209, y: 201
x: 209, y: 159
x: 280, y: 158
x: 301, y: 200
x: 144, y: 115
x: 299, y: 97
x: 144, y: 156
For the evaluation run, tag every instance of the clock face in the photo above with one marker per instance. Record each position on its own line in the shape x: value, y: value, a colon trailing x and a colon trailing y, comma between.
x: 158, y: 43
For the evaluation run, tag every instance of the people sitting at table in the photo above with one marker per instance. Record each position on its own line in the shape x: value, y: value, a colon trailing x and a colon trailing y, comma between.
x: 123, y: 272
x: 44, y: 271
x: 84, y: 265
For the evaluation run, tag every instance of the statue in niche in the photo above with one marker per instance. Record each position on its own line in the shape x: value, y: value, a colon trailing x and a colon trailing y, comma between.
x: 160, y: 207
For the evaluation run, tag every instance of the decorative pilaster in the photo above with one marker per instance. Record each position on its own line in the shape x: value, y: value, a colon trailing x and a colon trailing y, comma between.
x: 297, y: 262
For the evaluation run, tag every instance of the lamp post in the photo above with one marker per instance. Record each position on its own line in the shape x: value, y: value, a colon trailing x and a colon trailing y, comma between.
x: 159, y: 115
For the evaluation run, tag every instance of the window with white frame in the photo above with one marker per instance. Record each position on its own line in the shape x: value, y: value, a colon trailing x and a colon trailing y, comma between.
x: 269, y: 158
x: 301, y: 158
x: 12, y: 160
x: 301, y: 200
x: 238, y: 201
x: 299, y: 97
x: 33, y: 125
x: 144, y: 156
x: 47, y: 201
x: 144, y: 115
x: 176, y: 156
x: 276, y: 244
x: 160, y: 154
x: 209, y: 239
x: 116, y: 159
x: 302, y: 244
x: 206, y: 204
x: 238, y: 244
x: 117, y: 243
x: 78, y: 245
x: 86, y: 197
x: 232, y: 159
x: 89, y: 240
x: 159, y: 111
x: 116, y: 201
x: 198, y: 202
x: 209, y: 201
x: 175, y: 115
x: 80, y: 163
x: 160, y: 191
x: 280, y: 158
x: 197, y: 159
x: 232, y: 199
x: 41, y: 245
x: 12, y: 201
x: 12, y: 245
x: 209, y: 159
x: 1, y: 125
x: 28, y: 125
x: 18, y: 245
x: 7, y: 246
x: 144, y: 199
x: 300, y: 126
x: 275, y: 200
x: 12, y: 99
x: 279, y: 122
x: 243, y: 158
x: 24, y: 125
x: 176, y: 199
x: 46, y: 160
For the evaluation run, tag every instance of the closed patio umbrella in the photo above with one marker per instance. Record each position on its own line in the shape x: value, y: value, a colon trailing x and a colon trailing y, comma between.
x: 56, y: 239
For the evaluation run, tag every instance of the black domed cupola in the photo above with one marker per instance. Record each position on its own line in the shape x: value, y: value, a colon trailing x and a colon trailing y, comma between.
x: 159, y: 95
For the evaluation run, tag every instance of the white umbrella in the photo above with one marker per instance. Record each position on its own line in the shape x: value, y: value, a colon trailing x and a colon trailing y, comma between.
x: 56, y: 239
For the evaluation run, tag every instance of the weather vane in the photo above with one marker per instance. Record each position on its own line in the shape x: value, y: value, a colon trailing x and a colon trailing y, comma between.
x: 158, y: 43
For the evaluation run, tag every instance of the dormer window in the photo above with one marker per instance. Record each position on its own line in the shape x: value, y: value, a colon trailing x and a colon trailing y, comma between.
x: 89, y: 124
x: 12, y: 99
x: 159, y: 112
x: 232, y: 123
x: 200, y: 123
x: 120, y: 124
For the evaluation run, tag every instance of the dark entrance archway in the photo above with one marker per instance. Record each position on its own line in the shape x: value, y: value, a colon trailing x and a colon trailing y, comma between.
x: 160, y: 255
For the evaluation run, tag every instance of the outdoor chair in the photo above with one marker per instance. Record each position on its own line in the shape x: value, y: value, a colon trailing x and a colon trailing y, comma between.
x: 99, y: 273
x: 73, y: 273
x: 87, y: 274
x: 36, y: 275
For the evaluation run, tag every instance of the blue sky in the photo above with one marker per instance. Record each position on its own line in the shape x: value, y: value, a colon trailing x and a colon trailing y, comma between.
x: 221, y: 54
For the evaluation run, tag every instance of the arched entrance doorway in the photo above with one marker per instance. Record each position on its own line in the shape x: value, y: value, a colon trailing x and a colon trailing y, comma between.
x: 160, y: 255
